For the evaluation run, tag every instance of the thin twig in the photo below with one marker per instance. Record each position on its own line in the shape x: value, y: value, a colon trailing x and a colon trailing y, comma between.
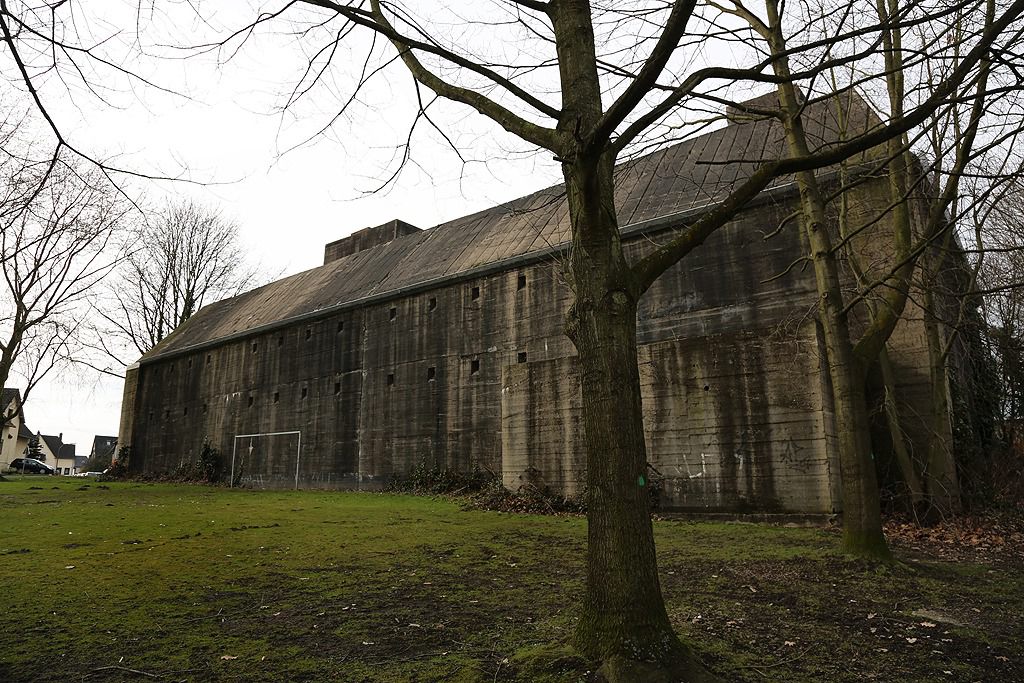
x: 206, y: 616
x: 758, y: 667
x: 124, y: 668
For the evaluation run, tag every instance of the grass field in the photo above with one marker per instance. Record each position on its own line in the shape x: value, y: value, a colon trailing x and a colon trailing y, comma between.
x: 137, y: 582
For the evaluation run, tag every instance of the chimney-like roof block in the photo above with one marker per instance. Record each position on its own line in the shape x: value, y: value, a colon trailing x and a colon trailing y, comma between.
x: 367, y: 238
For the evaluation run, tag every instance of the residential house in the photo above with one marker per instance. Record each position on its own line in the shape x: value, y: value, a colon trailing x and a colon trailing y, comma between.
x: 66, y: 462
x: 14, y: 435
x: 25, y: 435
x: 59, y: 455
x: 102, y: 452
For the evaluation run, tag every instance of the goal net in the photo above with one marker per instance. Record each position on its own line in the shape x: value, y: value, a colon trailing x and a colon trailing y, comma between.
x: 268, y: 460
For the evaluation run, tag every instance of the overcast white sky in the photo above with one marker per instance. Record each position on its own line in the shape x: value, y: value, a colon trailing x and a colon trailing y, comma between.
x: 226, y: 134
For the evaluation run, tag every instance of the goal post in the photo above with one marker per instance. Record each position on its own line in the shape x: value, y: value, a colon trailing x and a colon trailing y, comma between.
x: 255, y: 460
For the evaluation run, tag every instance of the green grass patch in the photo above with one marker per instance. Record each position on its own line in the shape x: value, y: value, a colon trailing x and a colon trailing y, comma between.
x: 202, y: 583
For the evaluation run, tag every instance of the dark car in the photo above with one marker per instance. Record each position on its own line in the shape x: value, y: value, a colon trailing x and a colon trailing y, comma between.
x: 31, y: 465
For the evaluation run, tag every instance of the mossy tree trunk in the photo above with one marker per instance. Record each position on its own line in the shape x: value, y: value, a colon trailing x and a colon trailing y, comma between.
x: 862, y: 521
x: 862, y: 518
x: 624, y: 623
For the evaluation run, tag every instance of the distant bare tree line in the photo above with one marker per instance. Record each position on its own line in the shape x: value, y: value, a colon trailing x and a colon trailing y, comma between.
x: 90, y: 278
x: 59, y: 221
x: 185, y: 256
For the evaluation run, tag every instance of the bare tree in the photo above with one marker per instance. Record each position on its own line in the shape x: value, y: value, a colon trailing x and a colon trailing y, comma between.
x: 184, y: 257
x: 914, y: 226
x: 58, y: 225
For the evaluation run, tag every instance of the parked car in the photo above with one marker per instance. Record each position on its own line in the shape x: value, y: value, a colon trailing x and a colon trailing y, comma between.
x: 31, y: 465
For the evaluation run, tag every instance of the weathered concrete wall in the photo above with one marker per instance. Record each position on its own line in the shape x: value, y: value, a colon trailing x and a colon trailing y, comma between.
x: 445, y: 347
x: 542, y: 427
x: 129, y: 407
x: 732, y: 423
x: 478, y: 374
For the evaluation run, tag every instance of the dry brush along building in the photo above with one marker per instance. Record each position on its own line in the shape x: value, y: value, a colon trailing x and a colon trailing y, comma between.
x: 445, y: 347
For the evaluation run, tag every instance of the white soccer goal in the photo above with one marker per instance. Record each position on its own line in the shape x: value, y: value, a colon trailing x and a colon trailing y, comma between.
x: 263, y: 460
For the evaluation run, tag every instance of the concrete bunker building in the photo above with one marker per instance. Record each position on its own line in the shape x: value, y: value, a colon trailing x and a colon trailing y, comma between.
x: 445, y: 347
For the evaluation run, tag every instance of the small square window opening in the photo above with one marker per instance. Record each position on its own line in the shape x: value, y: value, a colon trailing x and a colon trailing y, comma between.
x: 521, y: 357
x: 521, y: 282
x: 432, y: 304
x: 277, y: 396
x: 337, y: 388
x: 475, y: 293
x: 391, y: 380
x: 393, y: 313
x: 474, y: 366
x: 309, y: 333
x: 431, y: 374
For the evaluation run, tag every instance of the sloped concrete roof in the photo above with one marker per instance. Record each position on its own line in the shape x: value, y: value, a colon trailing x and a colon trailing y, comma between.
x: 685, y: 176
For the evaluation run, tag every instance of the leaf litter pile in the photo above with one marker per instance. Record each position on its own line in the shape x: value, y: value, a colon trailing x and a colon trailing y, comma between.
x: 188, y: 583
x: 988, y: 539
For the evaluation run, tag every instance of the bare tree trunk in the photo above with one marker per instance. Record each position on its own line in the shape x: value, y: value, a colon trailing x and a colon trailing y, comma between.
x: 940, y: 471
x: 862, y: 518
x: 862, y: 523
x: 624, y: 623
x: 899, y: 443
